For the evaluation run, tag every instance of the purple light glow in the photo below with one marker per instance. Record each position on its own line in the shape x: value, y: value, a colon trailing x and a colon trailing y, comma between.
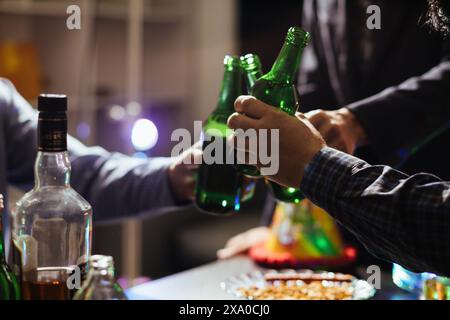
x: 83, y: 130
x: 140, y: 155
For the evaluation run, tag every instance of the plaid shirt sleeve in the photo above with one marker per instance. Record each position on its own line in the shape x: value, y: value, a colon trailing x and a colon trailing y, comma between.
x: 401, y: 218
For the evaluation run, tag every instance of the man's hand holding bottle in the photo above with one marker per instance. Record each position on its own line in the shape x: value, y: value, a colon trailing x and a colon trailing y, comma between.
x: 299, y: 141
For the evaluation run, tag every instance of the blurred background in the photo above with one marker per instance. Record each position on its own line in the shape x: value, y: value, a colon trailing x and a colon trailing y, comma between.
x: 134, y: 72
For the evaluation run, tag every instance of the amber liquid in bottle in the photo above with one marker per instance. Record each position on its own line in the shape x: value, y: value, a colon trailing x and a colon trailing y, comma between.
x: 51, y: 285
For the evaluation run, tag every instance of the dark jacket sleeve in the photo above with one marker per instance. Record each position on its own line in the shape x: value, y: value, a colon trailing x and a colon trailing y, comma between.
x: 402, y: 96
x: 400, y: 218
x: 116, y: 185
x: 403, y: 116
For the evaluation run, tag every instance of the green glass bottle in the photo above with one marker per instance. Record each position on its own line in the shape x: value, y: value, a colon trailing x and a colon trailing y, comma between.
x: 275, y: 89
x: 219, y: 185
x: 252, y: 68
x: 9, y: 286
x: 253, y: 71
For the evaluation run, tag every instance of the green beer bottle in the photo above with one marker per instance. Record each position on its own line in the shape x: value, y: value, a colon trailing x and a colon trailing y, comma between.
x: 252, y: 68
x: 275, y: 89
x: 219, y: 185
x: 253, y: 71
x: 9, y: 286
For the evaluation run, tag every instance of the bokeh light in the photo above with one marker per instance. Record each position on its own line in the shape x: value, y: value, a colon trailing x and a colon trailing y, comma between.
x: 140, y: 155
x: 133, y: 109
x: 144, y: 135
x: 83, y: 130
x: 117, y: 112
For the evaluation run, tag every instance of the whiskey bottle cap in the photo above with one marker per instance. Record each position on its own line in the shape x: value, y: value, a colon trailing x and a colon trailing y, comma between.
x: 52, y: 102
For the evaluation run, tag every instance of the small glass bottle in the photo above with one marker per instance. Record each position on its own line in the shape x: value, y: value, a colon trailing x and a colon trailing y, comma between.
x: 100, y: 283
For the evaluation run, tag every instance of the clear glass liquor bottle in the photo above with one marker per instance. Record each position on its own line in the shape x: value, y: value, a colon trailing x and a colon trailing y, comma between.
x: 52, y: 223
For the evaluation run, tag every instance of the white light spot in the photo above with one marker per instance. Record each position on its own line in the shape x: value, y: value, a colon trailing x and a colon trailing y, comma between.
x: 144, y: 135
x: 116, y: 112
x: 134, y: 108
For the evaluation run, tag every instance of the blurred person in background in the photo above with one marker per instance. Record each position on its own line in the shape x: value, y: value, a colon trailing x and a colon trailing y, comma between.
x: 383, y: 93
x: 117, y: 186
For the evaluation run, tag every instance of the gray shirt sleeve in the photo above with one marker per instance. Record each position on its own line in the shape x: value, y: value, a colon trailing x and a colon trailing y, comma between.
x: 117, y: 186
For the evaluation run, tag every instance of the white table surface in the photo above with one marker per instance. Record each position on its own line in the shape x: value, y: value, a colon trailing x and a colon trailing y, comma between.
x: 203, y: 283
x: 195, y: 284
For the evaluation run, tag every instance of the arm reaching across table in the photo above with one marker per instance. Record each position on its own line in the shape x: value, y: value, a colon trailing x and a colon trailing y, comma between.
x: 116, y: 185
x: 401, y: 218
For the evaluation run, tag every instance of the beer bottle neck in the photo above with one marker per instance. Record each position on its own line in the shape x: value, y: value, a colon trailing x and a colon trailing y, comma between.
x: 101, y: 267
x: 101, y: 273
x: 288, y: 61
x: 252, y: 67
x: 230, y: 90
x: 286, y: 65
x: 252, y: 76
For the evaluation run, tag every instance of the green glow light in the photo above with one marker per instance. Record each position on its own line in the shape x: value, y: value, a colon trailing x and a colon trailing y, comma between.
x: 291, y: 190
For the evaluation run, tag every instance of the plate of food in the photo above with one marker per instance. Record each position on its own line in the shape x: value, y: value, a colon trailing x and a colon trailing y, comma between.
x: 297, y: 285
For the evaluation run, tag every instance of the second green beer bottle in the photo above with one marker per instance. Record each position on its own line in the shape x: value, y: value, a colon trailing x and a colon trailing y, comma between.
x: 253, y: 71
x: 219, y: 185
x: 275, y: 89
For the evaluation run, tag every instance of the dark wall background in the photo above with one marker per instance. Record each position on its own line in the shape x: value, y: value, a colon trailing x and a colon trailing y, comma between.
x: 263, y: 25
